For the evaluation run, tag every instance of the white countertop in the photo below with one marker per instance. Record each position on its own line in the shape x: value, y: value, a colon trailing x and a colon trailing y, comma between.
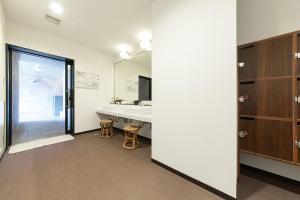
x: 139, y: 113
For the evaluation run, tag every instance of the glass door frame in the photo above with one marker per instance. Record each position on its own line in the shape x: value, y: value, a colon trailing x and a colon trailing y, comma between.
x: 69, y: 83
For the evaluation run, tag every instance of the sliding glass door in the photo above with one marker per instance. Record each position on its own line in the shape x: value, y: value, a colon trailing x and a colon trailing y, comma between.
x: 41, y: 96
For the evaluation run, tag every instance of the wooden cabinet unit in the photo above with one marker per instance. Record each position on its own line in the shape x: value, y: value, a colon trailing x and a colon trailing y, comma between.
x: 269, y: 97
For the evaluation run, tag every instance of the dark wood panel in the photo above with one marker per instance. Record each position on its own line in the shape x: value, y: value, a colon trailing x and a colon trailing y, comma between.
x: 268, y: 58
x: 248, y: 55
x: 298, y: 50
x: 298, y: 139
x: 272, y: 98
x: 275, y: 57
x: 298, y: 105
x: 268, y: 137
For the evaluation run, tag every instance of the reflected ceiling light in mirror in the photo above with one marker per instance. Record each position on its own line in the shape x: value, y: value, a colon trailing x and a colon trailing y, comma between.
x: 146, y: 44
x: 56, y: 8
x: 146, y: 40
x: 125, y: 51
x: 125, y: 55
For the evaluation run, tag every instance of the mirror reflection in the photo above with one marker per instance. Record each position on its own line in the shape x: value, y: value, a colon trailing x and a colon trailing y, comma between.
x: 133, y: 82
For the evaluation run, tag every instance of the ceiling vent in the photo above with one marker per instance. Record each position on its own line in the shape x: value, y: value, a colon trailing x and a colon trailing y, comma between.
x: 53, y: 20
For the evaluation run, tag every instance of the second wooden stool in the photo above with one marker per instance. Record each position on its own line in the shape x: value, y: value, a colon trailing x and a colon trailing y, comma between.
x: 131, y: 137
x: 106, y: 128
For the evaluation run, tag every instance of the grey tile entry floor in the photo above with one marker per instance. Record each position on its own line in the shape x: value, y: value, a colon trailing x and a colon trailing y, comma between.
x: 29, y: 131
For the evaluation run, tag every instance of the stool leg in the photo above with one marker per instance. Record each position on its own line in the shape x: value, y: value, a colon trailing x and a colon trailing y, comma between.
x: 137, y: 140
x: 133, y: 141
x: 125, y: 140
x: 106, y: 132
x: 101, y: 131
x: 112, y: 130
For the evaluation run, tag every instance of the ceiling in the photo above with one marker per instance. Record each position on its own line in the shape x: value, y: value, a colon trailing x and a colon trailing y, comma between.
x: 104, y: 25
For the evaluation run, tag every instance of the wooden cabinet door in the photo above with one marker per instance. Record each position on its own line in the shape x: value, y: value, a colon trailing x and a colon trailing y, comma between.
x: 248, y: 56
x: 298, y: 62
x: 272, y: 138
x: 298, y: 138
x: 269, y: 98
x: 297, y: 135
x: 297, y: 152
x: 269, y: 58
x: 275, y: 57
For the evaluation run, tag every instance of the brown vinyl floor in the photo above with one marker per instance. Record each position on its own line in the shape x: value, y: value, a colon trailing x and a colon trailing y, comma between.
x: 92, y: 168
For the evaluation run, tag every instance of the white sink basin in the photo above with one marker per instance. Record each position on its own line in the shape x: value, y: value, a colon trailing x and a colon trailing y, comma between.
x: 139, y: 110
x: 130, y: 109
x: 113, y: 108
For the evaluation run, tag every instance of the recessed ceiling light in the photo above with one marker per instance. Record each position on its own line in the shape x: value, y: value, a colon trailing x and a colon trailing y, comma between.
x: 56, y: 8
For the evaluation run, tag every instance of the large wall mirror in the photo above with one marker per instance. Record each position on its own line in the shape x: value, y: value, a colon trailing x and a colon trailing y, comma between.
x: 133, y: 80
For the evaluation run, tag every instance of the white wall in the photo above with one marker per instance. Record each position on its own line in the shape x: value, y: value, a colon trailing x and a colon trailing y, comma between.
x: 127, y: 70
x: 194, y: 89
x: 260, y: 19
x: 2, y: 78
x: 86, y: 59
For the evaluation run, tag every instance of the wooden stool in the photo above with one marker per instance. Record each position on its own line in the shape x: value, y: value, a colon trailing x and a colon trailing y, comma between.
x: 131, y: 137
x: 106, y: 128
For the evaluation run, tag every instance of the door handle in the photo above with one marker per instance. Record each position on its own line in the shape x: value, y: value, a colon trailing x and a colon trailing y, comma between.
x: 297, y: 99
x: 243, y: 134
x: 68, y: 96
x: 243, y: 98
x: 241, y: 64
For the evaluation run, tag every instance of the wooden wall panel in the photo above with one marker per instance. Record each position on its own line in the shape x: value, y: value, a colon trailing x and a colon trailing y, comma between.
x: 269, y: 58
x: 270, y: 97
x: 272, y: 138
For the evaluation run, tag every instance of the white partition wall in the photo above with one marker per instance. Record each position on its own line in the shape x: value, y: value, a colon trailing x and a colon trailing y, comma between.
x: 194, y: 90
x: 2, y: 80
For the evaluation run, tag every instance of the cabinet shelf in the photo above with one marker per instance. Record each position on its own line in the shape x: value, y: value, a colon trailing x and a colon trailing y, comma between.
x: 266, y: 78
x: 267, y: 118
